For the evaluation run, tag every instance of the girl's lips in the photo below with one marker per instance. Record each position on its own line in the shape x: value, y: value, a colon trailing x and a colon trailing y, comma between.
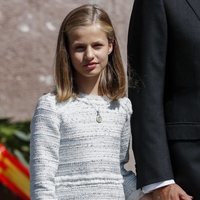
x: 91, y: 65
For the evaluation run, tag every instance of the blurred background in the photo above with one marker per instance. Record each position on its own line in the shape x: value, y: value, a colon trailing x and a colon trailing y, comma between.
x: 28, y: 36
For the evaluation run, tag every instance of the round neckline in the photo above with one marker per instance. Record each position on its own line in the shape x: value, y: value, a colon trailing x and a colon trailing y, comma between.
x: 82, y: 95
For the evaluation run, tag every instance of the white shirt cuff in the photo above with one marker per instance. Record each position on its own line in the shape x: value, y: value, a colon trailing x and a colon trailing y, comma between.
x: 151, y: 187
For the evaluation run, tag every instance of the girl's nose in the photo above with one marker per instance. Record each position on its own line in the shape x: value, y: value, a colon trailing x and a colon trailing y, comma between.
x: 89, y: 54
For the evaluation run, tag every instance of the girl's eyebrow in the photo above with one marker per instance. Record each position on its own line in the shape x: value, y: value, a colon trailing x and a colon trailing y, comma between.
x: 76, y: 43
x: 82, y: 43
x: 98, y: 41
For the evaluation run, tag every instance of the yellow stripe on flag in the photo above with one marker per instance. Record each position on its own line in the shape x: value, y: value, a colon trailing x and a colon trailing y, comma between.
x: 19, y: 179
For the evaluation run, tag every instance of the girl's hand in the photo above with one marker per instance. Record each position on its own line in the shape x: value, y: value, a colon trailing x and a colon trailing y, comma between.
x: 170, y: 192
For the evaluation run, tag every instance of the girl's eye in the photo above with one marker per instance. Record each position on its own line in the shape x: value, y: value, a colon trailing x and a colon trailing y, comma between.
x: 98, y: 46
x: 79, y: 48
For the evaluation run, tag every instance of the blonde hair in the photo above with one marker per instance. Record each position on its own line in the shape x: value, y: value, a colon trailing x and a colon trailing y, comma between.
x: 113, y: 81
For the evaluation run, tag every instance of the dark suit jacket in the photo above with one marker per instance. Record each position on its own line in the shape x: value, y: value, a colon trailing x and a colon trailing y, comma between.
x: 164, y: 50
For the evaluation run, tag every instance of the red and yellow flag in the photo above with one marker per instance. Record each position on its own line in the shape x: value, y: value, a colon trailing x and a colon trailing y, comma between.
x: 13, y: 174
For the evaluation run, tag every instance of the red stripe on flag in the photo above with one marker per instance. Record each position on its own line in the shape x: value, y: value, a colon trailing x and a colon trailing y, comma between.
x: 5, y: 153
x: 2, y: 165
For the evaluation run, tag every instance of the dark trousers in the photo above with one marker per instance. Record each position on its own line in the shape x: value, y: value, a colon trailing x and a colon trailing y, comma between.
x: 185, y: 157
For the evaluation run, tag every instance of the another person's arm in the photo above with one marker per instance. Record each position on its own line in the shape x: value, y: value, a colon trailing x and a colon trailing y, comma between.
x: 147, y: 54
x: 147, y: 51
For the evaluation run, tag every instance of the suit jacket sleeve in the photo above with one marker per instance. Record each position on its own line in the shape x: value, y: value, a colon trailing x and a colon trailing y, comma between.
x: 147, y: 47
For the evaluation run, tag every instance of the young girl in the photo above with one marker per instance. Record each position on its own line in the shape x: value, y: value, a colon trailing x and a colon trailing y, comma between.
x: 80, y: 132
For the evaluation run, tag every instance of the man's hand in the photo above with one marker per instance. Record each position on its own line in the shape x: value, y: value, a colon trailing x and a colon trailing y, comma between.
x: 170, y: 192
x: 147, y: 197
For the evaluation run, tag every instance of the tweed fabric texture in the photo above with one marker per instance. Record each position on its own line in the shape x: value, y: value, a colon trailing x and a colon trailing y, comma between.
x: 74, y: 157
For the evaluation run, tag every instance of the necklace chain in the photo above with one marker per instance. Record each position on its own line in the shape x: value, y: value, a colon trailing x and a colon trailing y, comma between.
x: 98, y: 115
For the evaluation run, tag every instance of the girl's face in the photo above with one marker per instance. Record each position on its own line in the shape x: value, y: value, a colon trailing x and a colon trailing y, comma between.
x: 88, y: 49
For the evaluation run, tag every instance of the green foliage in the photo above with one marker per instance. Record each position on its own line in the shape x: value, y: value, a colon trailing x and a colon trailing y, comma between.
x: 16, y: 137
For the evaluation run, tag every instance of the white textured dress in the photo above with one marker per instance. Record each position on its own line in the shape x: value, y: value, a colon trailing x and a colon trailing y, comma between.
x: 75, y: 157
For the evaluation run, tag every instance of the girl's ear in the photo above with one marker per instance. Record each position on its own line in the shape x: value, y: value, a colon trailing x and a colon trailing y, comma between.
x: 110, y: 48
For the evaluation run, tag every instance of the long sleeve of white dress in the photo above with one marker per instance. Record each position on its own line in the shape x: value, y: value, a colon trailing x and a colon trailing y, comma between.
x: 44, y: 155
x: 129, y: 177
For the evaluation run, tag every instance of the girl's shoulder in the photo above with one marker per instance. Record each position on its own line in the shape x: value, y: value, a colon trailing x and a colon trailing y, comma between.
x: 48, y: 101
x: 126, y: 104
x: 48, y: 98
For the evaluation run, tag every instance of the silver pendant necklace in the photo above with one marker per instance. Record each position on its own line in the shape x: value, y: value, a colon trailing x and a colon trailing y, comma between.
x: 98, y: 115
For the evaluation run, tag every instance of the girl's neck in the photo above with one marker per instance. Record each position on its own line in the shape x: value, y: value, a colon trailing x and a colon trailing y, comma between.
x: 88, y: 86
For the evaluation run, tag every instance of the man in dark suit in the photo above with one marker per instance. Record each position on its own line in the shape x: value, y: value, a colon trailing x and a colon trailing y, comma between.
x: 164, y: 51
